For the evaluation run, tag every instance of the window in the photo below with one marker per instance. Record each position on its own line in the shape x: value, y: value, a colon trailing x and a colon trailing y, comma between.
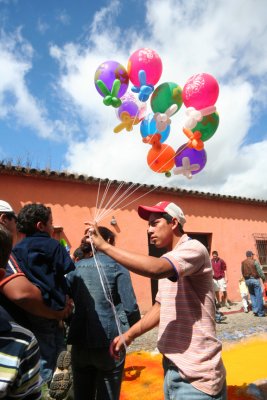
x: 261, y: 246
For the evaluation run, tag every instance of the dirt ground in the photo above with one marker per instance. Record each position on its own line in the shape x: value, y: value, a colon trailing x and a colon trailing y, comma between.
x: 236, y: 326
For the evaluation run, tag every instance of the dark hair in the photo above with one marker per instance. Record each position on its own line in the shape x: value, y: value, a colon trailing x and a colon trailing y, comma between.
x: 78, y: 253
x: 107, y: 235
x: 169, y: 219
x: 30, y: 215
x: 86, y: 247
x: 10, y: 215
x: 215, y: 252
x: 5, y: 245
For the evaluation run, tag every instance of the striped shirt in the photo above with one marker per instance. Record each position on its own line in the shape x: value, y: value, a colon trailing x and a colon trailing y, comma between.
x: 187, y: 334
x: 19, y: 362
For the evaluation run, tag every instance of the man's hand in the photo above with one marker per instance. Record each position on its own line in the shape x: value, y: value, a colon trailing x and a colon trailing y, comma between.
x: 118, y: 344
x: 93, y: 236
x: 66, y: 312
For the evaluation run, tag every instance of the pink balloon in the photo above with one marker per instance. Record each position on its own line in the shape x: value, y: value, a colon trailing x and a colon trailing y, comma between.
x: 147, y: 60
x: 200, y: 91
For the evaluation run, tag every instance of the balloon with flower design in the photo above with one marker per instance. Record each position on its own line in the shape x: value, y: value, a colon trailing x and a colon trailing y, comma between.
x: 144, y: 70
x: 111, y: 82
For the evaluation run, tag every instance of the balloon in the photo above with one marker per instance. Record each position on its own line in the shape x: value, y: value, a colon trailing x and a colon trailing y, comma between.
x: 144, y: 89
x: 165, y: 95
x: 127, y: 122
x: 108, y: 72
x: 147, y: 60
x: 186, y: 168
x: 129, y: 106
x: 196, y: 157
x: 160, y: 157
x: 207, y: 126
x: 149, y: 127
x: 133, y: 106
x: 163, y: 120
x: 195, y: 141
x: 200, y: 91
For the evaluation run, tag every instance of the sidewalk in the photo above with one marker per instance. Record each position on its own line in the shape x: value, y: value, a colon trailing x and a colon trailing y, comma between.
x: 236, y: 326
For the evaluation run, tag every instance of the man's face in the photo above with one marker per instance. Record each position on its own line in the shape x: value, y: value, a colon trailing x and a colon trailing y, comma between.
x: 214, y: 256
x: 160, y: 231
x: 9, y: 222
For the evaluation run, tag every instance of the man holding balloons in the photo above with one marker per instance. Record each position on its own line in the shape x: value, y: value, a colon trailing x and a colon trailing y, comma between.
x: 184, y: 307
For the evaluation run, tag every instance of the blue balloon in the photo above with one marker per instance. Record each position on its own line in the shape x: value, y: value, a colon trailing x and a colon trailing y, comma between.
x: 148, y: 127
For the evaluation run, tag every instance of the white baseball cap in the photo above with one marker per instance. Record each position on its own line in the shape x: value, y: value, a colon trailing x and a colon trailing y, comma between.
x: 163, y: 207
x: 5, y: 207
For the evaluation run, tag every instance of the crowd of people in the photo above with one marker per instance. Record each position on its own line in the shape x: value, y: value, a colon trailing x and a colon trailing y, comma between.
x: 43, y: 290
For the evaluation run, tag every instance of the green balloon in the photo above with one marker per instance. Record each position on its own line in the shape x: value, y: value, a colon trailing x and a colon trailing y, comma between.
x: 165, y: 95
x: 207, y: 126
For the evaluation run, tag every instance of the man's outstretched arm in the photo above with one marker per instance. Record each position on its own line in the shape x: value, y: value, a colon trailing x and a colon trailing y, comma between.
x: 145, y: 324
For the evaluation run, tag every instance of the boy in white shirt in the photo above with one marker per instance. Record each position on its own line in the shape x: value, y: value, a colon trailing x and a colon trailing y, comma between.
x: 244, y: 294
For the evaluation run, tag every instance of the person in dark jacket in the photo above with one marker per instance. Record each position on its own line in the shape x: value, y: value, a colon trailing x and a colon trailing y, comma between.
x: 105, y: 306
x: 44, y: 261
x: 251, y: 272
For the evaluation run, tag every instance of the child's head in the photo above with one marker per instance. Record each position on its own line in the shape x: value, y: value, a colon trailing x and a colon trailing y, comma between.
x: 86, y: 249
x: 77, y: 254
x: 34, y: 218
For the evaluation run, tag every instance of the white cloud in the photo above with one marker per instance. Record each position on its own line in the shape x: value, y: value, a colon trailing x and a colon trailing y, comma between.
x: 42, y: 26
x: 16, y: 101
x: 223, y: 38
x: 63, y: 18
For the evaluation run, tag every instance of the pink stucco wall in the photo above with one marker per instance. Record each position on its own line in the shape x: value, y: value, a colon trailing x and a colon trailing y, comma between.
x: 231, y: 224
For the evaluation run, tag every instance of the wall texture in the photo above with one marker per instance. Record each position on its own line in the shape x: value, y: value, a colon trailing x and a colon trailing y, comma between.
x: 229, y: 223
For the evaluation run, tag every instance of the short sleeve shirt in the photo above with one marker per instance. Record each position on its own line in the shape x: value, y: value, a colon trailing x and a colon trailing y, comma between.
x: 187, y: 333
x: 12, y: 271
x: 219, y: 268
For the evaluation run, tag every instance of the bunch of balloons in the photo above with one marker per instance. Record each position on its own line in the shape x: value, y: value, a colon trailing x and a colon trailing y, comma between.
x: 199, y: 96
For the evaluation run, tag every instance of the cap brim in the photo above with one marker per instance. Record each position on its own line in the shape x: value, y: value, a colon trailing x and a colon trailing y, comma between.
x: 144, y: 212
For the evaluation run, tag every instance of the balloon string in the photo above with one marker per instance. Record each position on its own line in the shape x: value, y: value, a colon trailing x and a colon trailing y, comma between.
x: 97, y: 198
x: 104, y: 195
x: 121, y: 198
x: 100, y: 215
x: 125, y: 195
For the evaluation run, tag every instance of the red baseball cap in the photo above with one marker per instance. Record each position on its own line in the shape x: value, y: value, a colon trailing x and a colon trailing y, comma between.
x: 162, y: 207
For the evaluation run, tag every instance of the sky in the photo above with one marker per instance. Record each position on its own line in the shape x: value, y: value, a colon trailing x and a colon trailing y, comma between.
x: 52, y: 117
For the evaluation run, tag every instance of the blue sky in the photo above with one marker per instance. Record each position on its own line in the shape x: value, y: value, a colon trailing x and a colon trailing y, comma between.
x: 52, y: 116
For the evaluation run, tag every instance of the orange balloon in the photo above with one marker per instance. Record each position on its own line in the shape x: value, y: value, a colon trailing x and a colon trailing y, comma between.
x: 161, y: 159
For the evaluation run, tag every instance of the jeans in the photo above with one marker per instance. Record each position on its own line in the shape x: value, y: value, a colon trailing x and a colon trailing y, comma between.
x: 96, y: 375
x: 255, y: 291
x: 50, y: 337
x: 176, y: 388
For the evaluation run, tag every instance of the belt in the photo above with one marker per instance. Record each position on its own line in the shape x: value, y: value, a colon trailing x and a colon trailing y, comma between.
x: 169, y: 363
